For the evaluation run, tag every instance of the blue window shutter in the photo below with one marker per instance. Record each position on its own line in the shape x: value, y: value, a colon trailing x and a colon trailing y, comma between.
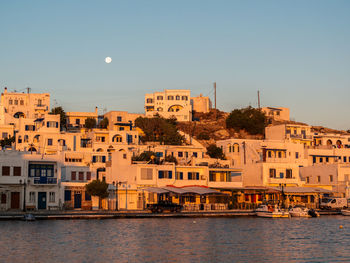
x: 197, y: 175
x: 181, y: 175
x: 56, y: 124
x: 103, y: 159
x: 94, y: 159
x: 160, y: 174
x: 26, y: 127
x: 47, y: 124
x: 170, y: 174
x: 67, y: 195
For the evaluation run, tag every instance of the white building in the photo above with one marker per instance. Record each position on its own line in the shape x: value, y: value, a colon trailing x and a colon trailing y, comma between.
x: 169, y: 103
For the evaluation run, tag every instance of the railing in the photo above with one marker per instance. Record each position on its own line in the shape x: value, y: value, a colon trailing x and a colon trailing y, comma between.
x: 45, y: 180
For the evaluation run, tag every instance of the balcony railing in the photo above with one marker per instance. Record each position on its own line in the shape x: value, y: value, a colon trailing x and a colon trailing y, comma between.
x: 45, y: 180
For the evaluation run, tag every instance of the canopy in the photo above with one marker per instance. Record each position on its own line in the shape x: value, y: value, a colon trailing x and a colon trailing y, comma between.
x: 184, y: 190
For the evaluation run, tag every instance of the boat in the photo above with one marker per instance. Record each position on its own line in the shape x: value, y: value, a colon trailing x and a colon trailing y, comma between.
x: 345, y: 212
x: 271, y: 211
x: 28, y: 217
x: 299, y: 211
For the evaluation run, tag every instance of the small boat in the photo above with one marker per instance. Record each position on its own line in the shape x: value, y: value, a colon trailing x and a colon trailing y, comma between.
x: 28, y: 217
x: 299, y: 211
x: 345, y: 212
x: 271, y: 211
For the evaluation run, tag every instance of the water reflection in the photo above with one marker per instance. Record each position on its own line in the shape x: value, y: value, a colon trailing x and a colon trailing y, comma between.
x: 177, y: 240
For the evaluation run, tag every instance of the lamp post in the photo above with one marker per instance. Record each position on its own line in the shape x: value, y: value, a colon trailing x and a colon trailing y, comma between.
x: 24, y: 193
x: 282, y: 189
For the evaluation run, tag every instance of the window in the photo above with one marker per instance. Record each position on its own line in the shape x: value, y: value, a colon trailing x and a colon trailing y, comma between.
x: 272, y: 173
x: 307, y: 180
x: 6, y: 171
x: 3, y: 198
x: 100, y: 138
x: 146, y: 174
x: 10, y: 102
x: 193, y: 176
x: 331, y: 178
x: 327, y: 159
x: 281, y: 175
x: 119, y: 118
x: 16, y: 102
x: 269, y: 154
x: 88, y: 176
x: 99, y: 159
x: 51, y: 197
x: 87, y: 197
x: 180, y: 154
x: 177, y: 97
x: 73, y: 176
x: 165, y: 174
x: 170, y: 97
x: 22, y: 102
x: 314, y: 159
x: 321, y: 159
x: 149, y: 100
x: 296, y: 155
x: 40, y: 102
x: 195, y: 154
x: 4, y: 135
x: 159, y: 97
x: 67, y: 195
x: 184, y: 98
x: 52, y: 124
x: 49, y: 141
x: 81, y: 176
x: 124, y: 155
x: 318, y: 179
x: 289, y: 173
x: 77, y: 121
x: 17, y: 171
x: 344, y: 159
x: 179, y: 176
x: 279, y: 154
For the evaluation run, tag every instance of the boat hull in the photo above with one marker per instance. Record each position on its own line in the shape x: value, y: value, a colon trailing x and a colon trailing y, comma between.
x: 345, y: 212
x: 273, y: 214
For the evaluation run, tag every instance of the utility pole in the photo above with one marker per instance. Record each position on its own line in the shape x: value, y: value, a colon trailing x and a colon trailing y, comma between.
x: 258, y: 99
x: 215, y: 94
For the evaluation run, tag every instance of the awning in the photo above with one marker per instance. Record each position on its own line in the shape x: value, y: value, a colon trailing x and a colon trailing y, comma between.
x: 156, y: 190
x: 302, y: 190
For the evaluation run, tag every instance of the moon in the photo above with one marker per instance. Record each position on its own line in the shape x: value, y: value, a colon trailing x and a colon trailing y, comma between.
x: 108, y: 60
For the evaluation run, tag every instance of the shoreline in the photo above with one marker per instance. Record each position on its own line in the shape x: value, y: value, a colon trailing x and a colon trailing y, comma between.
x: 72, y: 215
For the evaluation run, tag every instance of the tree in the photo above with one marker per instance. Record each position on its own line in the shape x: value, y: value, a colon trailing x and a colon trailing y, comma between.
x: 7, y: 141
x: 215, y: 152
x: 170, y: 159
x: 90, y: 123
x: 159, y: 129
x: 104, y: 123
x: 97, y: 188
x: 146, y: 157
x: 249, y: 119
x: 63, y: 118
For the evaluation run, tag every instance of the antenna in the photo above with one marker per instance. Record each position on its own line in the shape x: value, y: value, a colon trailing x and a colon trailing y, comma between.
x: 28, y: 90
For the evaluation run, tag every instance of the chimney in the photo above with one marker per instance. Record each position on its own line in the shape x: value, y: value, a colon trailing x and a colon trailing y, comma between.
x: 96, y: 110
x: 5, y: 90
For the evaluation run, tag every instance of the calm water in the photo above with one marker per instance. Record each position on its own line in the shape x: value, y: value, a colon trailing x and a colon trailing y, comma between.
x: 240, y: 239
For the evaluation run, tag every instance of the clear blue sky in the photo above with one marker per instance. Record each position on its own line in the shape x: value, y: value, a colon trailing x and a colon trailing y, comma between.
x: 297, y: 53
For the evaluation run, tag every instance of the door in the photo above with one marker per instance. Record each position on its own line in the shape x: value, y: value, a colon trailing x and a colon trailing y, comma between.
x: 41, y: 200
x: 14, y: 200
x: 77, y: 200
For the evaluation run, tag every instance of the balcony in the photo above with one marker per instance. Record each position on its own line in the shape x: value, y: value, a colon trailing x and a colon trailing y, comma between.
x: 45, y: 180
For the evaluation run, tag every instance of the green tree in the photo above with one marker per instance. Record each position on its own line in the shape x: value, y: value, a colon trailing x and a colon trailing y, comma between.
x: 63, y: 118
x: 215, y: 152
x: 146, y: 157
x: 90, y: 123
x: 97, y: 188
x: 104, y: 123
x: 159, y: 129
x: 7, y: 141
x: 249, y: 119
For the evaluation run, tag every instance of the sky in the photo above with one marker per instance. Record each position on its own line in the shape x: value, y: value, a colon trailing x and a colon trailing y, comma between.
x: 296, y: 53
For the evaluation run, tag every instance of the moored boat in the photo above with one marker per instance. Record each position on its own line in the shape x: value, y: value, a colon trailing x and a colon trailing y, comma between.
x: 271, y: 211
x: 345, y: 212
x: 298, y: 211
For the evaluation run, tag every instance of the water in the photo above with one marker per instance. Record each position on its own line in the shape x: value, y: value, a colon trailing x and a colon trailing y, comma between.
x: 241, y: 239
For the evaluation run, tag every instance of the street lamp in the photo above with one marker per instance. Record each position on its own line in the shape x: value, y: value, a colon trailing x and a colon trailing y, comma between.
x: 24, y: 193
x: 282, y: 190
